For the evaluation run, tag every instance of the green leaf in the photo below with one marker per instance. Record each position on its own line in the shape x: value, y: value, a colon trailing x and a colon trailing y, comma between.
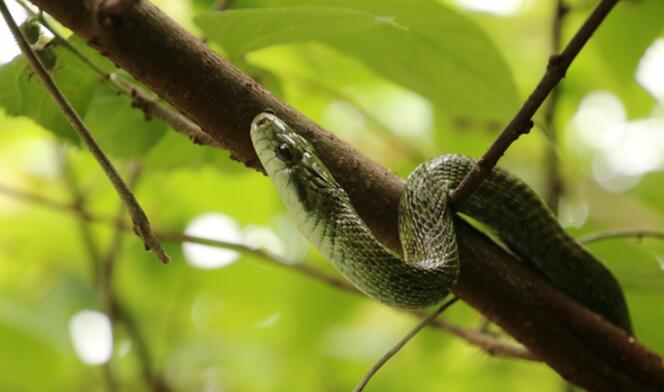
x: 274, y: 26
x: 175, y: 151
x: 24, y: 95
x: 120, y: 130
x: 422, y: 45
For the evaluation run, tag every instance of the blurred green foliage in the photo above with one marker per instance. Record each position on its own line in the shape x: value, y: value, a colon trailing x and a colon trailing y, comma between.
x: 382, y: 75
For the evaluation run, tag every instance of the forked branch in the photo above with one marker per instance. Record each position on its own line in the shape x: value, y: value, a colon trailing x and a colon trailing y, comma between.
x: 522, y: 120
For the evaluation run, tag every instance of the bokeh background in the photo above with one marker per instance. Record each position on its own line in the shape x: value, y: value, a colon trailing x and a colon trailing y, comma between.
x: 84, y: 307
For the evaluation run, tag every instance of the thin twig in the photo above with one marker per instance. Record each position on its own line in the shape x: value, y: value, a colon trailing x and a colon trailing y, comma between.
x: 155, y: 382
x: 625, y: 233
x: 110, y: 382
x: 116, y: 310
x: 424, y: 322
x: 107, y: 263
x: 486, y: 342
x: 139, y: 219
x: 522, y: 121
x: 78, y: 200
x: 90, y: 245
x: 552, y: 162
x: 89, y: 242
x: 113, y: 308
x: 152, y: 107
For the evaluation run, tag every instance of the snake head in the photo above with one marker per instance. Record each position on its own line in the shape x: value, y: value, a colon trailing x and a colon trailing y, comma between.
x: 290, y: 161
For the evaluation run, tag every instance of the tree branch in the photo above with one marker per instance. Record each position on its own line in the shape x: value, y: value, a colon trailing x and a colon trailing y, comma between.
x: 102, y: 270
x: 78, y: 201
x: 488, y: 343
x: 522, y: 120
x: 402, y: 342
x: 624, y: 233
x: 581, y: 346
x: 554, y: 181
x: 89, y: 243
x: 140, y: 220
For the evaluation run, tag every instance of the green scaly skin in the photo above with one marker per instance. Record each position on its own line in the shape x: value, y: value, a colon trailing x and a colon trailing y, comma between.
x: 430, y: 266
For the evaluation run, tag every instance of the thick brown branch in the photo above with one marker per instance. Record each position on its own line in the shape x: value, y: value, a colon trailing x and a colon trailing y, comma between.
x: 522, y: 121
x: 578, y: 344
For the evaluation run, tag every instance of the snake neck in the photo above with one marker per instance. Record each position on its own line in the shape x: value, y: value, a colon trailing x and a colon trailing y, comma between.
x: 333, y: 226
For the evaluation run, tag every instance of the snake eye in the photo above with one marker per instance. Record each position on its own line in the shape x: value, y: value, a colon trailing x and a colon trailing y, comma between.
x: 284, y: 153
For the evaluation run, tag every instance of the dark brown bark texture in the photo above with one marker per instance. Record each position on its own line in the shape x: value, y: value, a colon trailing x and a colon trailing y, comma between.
x: 581, y: 346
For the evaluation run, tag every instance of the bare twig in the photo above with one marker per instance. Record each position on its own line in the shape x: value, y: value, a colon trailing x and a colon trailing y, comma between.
x: 89, y: 243
x: 107, y: 263
x: 78, y: 199
x: 522, y: 121
x: 139, y: 219
x: 486, y: 342
x: 110, y: 382
x: 552, y: 161
x: 626, y: 233
x: 113, y: 308
x: 424, y: 322
x: 152, y: 107
x: 155, y: 382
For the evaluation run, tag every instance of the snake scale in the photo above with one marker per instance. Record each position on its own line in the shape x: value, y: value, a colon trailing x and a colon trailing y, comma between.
x: 428, y: 271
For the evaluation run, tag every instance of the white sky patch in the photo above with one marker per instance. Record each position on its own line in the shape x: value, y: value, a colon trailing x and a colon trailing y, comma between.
x: 214, y: 226
x: 640, y: 148
x: 92, y: 337
x: 624, y: 150
x: 8, y: 47
x: 604, y: 175
x: 498, y: 7
x: 599, y: 119
x: 650, y: 72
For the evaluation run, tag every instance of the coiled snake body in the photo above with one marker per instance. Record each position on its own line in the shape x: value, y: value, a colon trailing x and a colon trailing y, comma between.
x: 430, y: 266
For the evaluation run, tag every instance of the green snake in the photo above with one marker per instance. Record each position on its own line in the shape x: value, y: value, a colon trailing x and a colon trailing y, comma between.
x: 429, y: 268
